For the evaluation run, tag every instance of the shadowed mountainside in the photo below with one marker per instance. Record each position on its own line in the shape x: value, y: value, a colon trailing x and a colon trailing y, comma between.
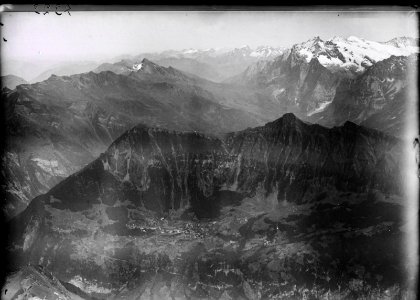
x: 192, y: 210
x: 59, y: 125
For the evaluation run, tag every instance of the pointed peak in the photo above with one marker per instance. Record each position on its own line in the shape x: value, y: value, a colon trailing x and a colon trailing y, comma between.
x: 286, y: 119
x: 289, y: 117
x: 147, y: 66
x: 315, y: 39
x: 310, y: 44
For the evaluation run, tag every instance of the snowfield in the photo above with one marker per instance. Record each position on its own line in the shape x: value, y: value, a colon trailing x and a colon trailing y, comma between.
x: 352, y: 53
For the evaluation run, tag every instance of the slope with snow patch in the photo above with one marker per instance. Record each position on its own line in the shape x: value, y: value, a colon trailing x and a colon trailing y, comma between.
x: 353, y: 54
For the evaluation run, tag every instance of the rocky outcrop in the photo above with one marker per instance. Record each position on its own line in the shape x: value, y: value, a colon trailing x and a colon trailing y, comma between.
x: 163, y: 170
x: 34, y: 282
x: 378, y: 98
x: 298, y: 85
x: 55, y: 127
x: 330, y: 82
x: 157, y: 201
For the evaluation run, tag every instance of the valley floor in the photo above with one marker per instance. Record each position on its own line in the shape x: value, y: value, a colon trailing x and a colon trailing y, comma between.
x: 343, y: 246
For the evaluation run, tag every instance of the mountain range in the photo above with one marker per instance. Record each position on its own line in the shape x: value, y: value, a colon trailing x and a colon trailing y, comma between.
x: 212, y: 64
x: 377, y: 98
x: 96, y: 107
x: 56, y: 126
x: 218, y: 210
x: 330, y: 82
x: 212, y: 174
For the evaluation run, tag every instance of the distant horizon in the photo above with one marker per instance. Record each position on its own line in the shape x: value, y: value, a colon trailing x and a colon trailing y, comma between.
x: 217, y: 48
x: 101, y: 35
x: 37, y: 42
x: 122, y: 56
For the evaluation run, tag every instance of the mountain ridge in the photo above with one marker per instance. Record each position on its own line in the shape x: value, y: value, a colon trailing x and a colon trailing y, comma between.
x: 288, y: 124
x: 153, y: 181
x: 382, y: 91
x: 96, y: 108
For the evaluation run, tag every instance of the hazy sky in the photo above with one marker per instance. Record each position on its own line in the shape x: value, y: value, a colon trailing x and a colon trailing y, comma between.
x: 101, y: 35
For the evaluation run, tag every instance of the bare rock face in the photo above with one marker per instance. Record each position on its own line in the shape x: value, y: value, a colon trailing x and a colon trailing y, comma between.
x: 55, y: 127
x: 261, y: 212
x: 330, y: 82
x: 379, y: 98
x: 34, y: 282
x: 298, y: 85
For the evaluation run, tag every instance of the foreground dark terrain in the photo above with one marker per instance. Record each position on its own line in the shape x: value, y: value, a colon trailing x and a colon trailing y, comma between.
x: 287, y: 210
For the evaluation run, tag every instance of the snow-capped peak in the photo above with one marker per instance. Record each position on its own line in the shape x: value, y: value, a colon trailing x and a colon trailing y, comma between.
x: 310, y: 48
x: 311, y: 42
x: 137, y: 66
x: 352, y: 54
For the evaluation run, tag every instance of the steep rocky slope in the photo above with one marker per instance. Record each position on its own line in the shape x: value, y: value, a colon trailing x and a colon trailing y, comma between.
x: 34, y: 282
x: 330, y: 82
x: 55, y: 127
x: 379, y: 98
x: 287, y: 209
x: 346, y: 57
x: 295, y: 84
